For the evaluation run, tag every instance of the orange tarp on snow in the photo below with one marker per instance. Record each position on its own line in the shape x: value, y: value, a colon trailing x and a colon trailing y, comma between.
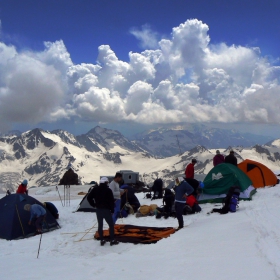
x: 137, y: 234
x: 259, y: 174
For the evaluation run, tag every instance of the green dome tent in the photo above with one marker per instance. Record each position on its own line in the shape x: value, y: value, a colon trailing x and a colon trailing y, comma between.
x: 220, y: 178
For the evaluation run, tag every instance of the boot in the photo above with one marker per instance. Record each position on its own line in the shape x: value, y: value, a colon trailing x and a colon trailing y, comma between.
x: 114, y: 242
x: 179, y: 227
x: 102, y: 242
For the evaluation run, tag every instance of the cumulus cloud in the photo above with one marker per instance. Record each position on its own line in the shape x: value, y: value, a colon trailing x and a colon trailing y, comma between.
x: 147, y: 37
x: 183, y: 78
x: 30, y: 89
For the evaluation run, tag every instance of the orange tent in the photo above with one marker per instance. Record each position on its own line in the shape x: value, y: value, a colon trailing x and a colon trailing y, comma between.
x: 259, y: 174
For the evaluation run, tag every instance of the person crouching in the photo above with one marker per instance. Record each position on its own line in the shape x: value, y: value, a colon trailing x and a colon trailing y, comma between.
x: 37, y: 214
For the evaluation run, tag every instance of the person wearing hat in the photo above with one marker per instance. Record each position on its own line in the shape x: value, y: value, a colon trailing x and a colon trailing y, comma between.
x: 22, y: 188
x: 37, y: 215
x: 189, y: 172
x: 231, y: 158
x: 218, y: 158
x: 182, y: 190
x: 102, y: 198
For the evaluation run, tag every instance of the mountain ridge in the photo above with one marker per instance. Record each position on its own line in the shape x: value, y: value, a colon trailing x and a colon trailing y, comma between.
x: 42, y: 157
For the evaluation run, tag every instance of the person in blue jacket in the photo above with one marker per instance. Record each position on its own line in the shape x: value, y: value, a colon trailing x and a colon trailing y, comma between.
x: 37, y: 214
x: 182, y: 190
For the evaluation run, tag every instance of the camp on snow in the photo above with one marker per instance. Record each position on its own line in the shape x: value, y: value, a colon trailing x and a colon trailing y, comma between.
x: 219, y: 180
x: 260, y: 175
x: 129, y: 197
x: 14, y: 219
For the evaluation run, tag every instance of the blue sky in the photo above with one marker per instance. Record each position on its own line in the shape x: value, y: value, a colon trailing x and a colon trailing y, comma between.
x: 85, y: 25
x: 185, y: 61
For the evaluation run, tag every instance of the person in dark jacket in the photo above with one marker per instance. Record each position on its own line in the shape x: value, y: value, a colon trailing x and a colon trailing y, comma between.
x: 168, y: 201
x: 218, y: 158
x: 129, y: 197
x: 102, y: 198
x: 22, y: 188
x: 197, y: 186
x: 231, y: 158
x: 157, y: 188
x: 234, y: 190
x: 182, y: 190
x: 53, y: 210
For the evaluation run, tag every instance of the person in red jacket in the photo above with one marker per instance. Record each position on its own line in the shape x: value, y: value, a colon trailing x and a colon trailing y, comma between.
x: 193, y: 203
x: 22, y: 188
x: 189, y: 172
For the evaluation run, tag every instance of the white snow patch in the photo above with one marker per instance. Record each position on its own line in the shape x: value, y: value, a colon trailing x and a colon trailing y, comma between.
x: 244, y: 245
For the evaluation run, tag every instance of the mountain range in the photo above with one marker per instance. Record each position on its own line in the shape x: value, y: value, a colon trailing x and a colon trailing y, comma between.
x: 165, y: 142
x: 42, y: 157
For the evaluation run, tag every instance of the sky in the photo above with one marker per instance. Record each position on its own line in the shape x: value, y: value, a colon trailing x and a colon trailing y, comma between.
x: 133, y: 65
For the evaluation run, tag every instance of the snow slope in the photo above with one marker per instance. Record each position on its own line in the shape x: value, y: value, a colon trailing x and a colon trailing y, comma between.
x: 244, y: 245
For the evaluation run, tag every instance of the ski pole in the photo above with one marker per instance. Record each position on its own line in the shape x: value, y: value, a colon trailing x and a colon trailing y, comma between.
x: 39, y: 246
x: 59, y: 196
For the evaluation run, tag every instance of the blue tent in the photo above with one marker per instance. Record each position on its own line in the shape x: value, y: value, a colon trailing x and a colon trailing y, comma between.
x: 14, y: 219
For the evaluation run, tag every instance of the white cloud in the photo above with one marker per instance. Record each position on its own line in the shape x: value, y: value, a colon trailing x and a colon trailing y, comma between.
x: 147, y: 37
x: 138, y: 94
x: 186, y: 79
x: 29, y: 91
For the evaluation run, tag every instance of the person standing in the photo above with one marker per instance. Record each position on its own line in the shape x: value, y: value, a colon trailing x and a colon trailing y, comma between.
x: 102, y: 198
x: 22, y: 188
x: 117, y: 192
x: 231, y: 158
x: 189, y: 172
x: 182, y: 190
x: 218, y: 158
x: 37, y: 215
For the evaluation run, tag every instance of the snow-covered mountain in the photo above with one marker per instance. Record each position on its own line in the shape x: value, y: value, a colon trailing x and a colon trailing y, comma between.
x: 165, y: 142
x: 274, y: 143
x: 42, y: 157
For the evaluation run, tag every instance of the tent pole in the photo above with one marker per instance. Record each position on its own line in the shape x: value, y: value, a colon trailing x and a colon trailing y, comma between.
x: 87, y: 232
x: 20, y: 221
x: 59, y: 196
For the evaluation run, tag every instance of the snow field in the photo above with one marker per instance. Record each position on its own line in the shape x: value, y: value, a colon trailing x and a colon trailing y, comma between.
x: 243, y: 245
